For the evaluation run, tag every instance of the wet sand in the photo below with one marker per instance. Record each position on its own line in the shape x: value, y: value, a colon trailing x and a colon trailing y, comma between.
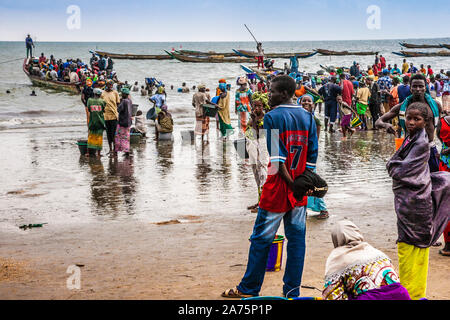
x: 105, y: 217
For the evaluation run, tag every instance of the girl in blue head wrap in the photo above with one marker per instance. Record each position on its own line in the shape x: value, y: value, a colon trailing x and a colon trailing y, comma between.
x: 314, y: 204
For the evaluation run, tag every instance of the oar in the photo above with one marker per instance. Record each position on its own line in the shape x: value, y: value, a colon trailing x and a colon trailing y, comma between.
x: 251, y: 33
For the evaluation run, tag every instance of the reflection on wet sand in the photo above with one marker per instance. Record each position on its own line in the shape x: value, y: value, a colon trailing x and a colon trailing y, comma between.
x: 203, y: 167
x: 164, y: 157
x: 114, y: 191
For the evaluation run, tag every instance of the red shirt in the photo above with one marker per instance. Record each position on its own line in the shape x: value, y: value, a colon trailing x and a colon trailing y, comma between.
x: 383, y: 62
x: 430, y: 72
x: 296, y: 147
x: 262, y: 87
x: 347, y: 91
x: 375, y: 70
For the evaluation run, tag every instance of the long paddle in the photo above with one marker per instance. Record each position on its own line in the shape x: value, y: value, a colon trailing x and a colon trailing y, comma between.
x: 251, y: 33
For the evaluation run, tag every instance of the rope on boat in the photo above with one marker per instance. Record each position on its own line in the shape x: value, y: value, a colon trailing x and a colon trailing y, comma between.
x: 11, y: 60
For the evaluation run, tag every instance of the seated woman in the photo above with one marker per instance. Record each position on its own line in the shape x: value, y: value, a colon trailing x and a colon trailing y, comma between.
x: 357, y: 271
x: 164, y: 125
x: 139, y: 124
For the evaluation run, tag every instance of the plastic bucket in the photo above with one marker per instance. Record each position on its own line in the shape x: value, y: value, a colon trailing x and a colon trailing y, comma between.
x: 210, y: 110
x: 398, y: 143
x: 275, y: 254
x: 187, y: 135
x: 135, y: 109
x: 165, y: 136
x: 82, y: 146
x: 241, y: 148
x: 135, y: 138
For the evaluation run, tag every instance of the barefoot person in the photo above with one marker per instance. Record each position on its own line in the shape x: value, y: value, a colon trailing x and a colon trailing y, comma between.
x: 95, y: 108
x: 315, y: 204
x: 292, y: 146
x: 329, y: 92
x: 346, y: 117
x: 122, y: 136
x: 443, y: 133
x: 243, y: 103
x: 418, y: 94
x: 112, y: 100
x: 201, y: 119
x: 363, y: 95
x: 257, y: 149
x: 422, y: 200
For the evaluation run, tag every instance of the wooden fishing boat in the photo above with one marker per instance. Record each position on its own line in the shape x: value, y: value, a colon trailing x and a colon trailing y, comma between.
x: 346, y: 53
x: 417, y: 46
x: 254, y: 54
x: 209, y: 59
x: 447, y: 46
x: 412, y: 54
x: 134, y: 56
x: 55, y: 85
x: 209, y: 53
x: 332, y: 68
x: 260, y: 73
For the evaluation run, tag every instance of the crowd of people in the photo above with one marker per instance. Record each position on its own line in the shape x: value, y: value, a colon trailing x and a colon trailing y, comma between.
x: 72, y: 70
x: 352, y: 266
x: 410, y: 103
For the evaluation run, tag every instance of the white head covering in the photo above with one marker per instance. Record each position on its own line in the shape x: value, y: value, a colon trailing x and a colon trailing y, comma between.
x: 350, y: 250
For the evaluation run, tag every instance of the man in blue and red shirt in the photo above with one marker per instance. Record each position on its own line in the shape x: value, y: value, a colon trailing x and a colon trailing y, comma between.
x: 292, y: 144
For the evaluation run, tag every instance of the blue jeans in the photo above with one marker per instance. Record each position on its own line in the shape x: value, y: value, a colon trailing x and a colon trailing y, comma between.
x: 264, y: 231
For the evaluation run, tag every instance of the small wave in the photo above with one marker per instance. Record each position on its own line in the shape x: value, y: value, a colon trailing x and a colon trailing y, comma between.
x: 38, y: 122
x: 36, y: 112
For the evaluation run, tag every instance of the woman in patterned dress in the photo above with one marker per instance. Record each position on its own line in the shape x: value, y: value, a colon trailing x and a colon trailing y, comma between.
x: 357, y: 271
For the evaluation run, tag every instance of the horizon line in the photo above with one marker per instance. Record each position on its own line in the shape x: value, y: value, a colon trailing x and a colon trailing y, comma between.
x: 199, y: 41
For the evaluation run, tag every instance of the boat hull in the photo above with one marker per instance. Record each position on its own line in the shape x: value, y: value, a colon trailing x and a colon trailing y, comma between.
x: 207, y: 59
x: 412, y: 54
x: 253, y: 54
x: 210, y: 53
x: 346, y: 53
x: 419, y: 46
x: 73, y: 88
x: 125, y: 56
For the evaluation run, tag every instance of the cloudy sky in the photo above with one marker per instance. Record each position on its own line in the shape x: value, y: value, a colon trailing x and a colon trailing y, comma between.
x: 207, y: 20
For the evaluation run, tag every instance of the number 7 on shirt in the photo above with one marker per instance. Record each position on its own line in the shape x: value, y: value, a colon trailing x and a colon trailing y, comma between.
x: 297, y: 151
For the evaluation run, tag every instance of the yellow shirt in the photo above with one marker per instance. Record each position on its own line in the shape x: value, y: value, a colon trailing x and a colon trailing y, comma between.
x: 363, y: 95
x: 405, y: 67
x: 112, y: 99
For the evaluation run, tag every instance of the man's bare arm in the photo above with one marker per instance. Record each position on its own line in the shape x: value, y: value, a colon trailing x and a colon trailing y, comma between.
x: 284, y: 173
x: 383, y: 123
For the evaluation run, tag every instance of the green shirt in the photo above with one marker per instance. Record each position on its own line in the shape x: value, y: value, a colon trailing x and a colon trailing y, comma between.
x: 96, y: 108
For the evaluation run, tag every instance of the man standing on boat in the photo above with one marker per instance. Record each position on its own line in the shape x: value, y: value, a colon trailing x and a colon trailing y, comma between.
x: 30, y: 45
x: 260, y: 55
x: 294, y: 64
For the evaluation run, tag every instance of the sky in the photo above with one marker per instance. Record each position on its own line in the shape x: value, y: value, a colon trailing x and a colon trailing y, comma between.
x: 208, y: 20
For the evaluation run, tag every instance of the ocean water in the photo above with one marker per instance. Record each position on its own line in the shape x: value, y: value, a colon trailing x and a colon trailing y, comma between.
x: 18, y: 109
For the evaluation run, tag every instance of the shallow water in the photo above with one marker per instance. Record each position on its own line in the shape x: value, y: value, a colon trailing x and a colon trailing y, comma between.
x: 46, y: 180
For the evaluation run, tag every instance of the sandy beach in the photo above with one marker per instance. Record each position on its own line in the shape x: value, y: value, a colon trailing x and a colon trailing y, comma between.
x: 146, y: 261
